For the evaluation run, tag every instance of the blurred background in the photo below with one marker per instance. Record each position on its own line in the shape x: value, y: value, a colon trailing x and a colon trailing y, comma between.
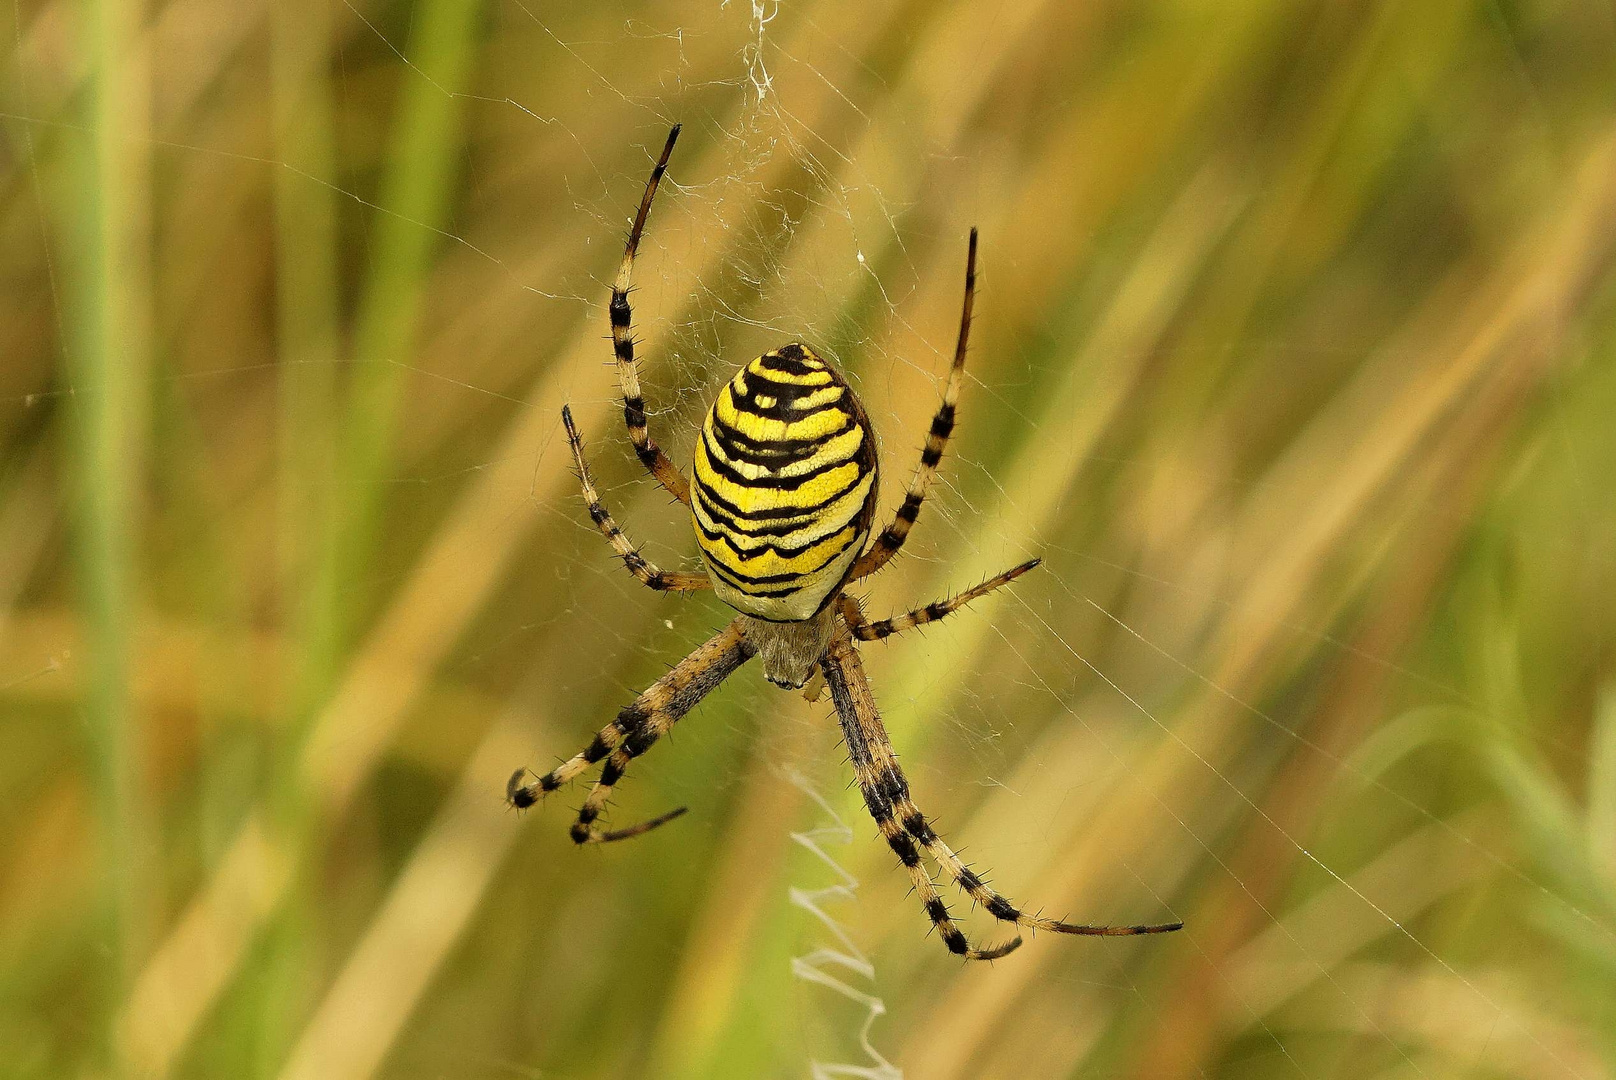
x: 1293, y: 360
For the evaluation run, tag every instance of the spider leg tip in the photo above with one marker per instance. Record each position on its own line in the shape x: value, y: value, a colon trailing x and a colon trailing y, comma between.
x: 518, y: 794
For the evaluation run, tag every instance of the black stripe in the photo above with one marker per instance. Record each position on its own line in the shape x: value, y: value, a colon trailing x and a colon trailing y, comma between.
x: 892, y: 785
x: 770, y: 579
x: 787, y: 359
x: 768, y: 451
x: 937, y: 909
x: 755, y: 383
x: 619, y: 309
x: 763, y: 594
x: 915, y: 825
x: 634, y: 412
x: 783, y: 552
x: 784, y: 526
x: 773, y: 482
x: 630, y: 717
x: 905, y: 849
x: 766, y: 377
x: 639, y: 742
x: 782, y: 409
x: 1000, y: 908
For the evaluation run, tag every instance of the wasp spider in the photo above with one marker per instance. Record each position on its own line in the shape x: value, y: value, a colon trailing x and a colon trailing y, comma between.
x: 783, y: 501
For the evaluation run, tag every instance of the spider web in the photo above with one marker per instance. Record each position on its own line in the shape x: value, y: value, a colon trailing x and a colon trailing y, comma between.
x: 1147, y: 728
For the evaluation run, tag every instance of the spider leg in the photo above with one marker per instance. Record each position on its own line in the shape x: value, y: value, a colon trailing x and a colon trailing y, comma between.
x: 886, y: 793
x: 883, y: 785
x: 649, y: 453
x: 632, y: 733
x: 865, y: 630
x: 638, y: 565
x: 942, y: 426
x: 914, y: 824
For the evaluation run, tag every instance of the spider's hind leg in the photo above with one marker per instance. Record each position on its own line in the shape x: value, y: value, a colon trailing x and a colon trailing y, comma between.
x: 886, y: 793
x: 637, y: 727
x: 915, y: 825
x: 885, y: 790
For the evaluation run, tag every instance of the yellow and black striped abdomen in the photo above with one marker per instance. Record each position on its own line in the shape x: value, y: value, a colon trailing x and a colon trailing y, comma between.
x: 785, y: 485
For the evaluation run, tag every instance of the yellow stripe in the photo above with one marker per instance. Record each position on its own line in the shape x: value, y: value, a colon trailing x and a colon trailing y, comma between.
x: 816, y: 399
x: 763, y: 371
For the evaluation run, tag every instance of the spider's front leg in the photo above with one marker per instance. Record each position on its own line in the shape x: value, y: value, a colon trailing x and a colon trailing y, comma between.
x: 886, y: 794
x: 622, y: 315
x: 637, y: 727
x: 892, y: 537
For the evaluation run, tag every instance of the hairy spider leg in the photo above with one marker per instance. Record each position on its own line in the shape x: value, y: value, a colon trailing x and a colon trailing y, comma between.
x: 637, y: 727
x: 648, y: 573
x: 942, y: 426
x: 622, y: 316
x: 865, y: 630
x: 886, y: 794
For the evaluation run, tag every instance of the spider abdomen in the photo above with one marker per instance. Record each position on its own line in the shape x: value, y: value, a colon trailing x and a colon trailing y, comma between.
x: 785, y: 481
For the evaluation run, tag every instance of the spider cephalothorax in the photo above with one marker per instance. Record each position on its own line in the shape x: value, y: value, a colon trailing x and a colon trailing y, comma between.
x: 783, y: 500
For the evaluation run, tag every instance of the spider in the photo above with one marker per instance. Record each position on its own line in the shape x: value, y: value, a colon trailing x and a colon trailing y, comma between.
x: 783, y: 501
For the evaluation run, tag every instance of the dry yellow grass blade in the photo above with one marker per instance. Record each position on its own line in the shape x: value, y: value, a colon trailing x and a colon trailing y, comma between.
x: 702, y: 1000
x: 1417, y: 872
x: 456, y: 574
x: 1457, y: 1028
x: 424, y: 913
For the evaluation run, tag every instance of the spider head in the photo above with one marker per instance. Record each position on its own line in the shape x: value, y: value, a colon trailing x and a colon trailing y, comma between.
x: 789, y: 651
